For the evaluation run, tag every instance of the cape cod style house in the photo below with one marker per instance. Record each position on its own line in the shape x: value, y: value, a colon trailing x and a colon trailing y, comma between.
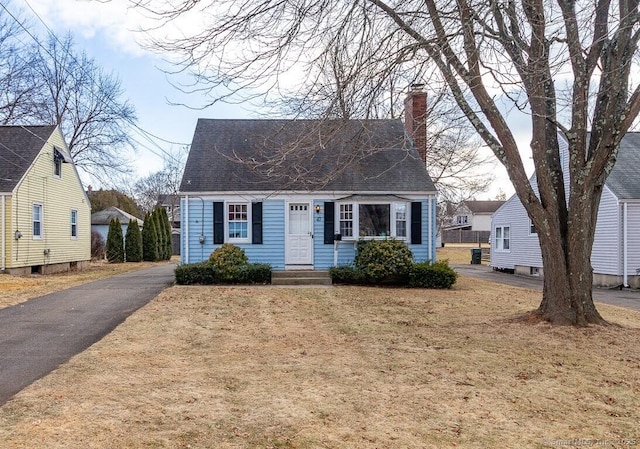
x: 44, y: 211
x: 299, y: 194
x: 615, y: 256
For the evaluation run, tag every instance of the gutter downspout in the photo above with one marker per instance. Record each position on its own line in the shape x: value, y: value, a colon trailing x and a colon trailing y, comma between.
x: 431, y: 236
x: 186, y: 234
x: 4, y: 243
x: 625, y: 235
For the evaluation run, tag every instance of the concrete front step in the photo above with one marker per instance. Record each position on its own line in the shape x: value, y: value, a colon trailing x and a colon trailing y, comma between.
x: 300, y: 277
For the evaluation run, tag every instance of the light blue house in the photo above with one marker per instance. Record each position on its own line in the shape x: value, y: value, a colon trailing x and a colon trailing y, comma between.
x: 299, y: 194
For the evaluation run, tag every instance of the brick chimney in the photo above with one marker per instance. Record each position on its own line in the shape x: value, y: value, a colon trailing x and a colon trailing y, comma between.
x: 415, y: 118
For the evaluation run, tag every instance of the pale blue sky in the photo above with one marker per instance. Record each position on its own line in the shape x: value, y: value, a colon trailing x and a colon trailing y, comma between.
x: 106, y: 31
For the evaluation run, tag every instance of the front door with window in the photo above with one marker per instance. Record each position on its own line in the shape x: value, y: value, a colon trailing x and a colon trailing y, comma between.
x: 299, y: 236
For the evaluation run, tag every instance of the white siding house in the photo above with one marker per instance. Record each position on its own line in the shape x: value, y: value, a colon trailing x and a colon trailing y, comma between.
x: 616, y: 249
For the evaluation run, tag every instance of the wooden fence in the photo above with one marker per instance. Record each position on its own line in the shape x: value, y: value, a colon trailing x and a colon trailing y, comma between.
x: 460, y: 236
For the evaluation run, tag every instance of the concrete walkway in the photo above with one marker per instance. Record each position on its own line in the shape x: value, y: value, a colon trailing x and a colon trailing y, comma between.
x: 38, y: 335
x: 622, y: 298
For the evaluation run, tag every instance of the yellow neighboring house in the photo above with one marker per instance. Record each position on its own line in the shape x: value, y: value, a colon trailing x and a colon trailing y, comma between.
x: 44, y: 211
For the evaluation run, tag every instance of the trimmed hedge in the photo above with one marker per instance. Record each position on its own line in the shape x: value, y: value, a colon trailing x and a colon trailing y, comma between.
x: 383, y: 261
x: 432, y: 275
x: 421, y: 275
x: 207, y: 274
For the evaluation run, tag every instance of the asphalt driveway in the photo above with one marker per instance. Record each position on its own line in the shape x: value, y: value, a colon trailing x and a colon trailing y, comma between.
x: 622, y: 298
x: 38, y: 335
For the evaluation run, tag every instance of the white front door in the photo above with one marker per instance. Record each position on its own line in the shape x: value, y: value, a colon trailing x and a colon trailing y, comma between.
x: 299, y: 238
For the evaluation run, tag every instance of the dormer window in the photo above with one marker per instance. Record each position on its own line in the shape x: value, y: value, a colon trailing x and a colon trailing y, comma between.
x: 58, y: 159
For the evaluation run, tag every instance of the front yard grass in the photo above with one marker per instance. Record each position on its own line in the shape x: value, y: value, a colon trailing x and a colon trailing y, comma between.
x: 344, y: 367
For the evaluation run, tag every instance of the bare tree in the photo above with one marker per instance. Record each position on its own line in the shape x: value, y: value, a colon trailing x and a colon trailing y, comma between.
x: 87, y: 104
x: 18, y: 83
x: 565, y: 62
x: 164, y: 183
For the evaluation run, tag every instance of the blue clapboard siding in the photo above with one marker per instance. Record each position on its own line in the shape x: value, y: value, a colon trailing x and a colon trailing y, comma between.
x: 271, y: 250
x: 421, y: 252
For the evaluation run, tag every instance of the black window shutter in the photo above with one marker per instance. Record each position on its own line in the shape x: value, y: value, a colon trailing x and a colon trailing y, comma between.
x: 218, y: 222
x: 416, y: 222
x: 329, y: 217
x: 256, y: 223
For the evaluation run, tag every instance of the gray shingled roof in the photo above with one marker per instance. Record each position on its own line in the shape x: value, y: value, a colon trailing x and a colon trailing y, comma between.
x: 307, y: 155
x: 103, y: 217
x: 624, y: 180
x: 19, y: 146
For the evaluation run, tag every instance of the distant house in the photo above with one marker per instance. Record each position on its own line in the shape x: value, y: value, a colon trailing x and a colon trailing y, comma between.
x: 44, y: 211
x: 474, y: 215
x: 615, y: 256
x: 100, y: 220
x: 469, y: 221
x: 370, y: 183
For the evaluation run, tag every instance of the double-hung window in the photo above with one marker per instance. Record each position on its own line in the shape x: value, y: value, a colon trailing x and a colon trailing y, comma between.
x: 237, y: 221
x: 74, y: 224
x: 346, y: 220
x: 502, y: 238
x: 401, y: 219
x: 37, y: 221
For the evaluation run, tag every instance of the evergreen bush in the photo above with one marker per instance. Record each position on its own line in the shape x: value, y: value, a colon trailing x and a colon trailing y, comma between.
x: 133, y: 242
x: 115, y: 242
x: 387, y: 261
x: 432, y: 275
x: 346, y: 274
x: 206, y: 273
x: 149, y: 240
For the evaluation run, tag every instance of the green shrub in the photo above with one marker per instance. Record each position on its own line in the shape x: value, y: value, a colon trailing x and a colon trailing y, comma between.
x: 228, y: 255
x: 115, y: 242
x: 383, y: 261
x: 133, y: 242
x: 206, y: 273
x: 149, y: 239
x: 432, y: 275
x: 346, y: 274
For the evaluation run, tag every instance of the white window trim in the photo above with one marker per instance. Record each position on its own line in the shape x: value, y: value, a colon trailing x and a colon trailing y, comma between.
x: 500, y: 248
x: 531, y: 226
x: 228, y: 239
x: 74, y: 237
x: 356, y: 220
x: 41, y: 221
x: 57, y: 163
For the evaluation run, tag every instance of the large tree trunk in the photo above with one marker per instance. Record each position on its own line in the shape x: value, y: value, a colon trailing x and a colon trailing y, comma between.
x: 568, y: 274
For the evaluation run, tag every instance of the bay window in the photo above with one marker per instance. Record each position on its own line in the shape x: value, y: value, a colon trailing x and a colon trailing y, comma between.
x: 371, y: 220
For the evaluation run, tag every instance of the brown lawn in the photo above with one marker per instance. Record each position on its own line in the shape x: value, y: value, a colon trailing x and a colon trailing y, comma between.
x: 347, y: 367
x: 457, y: 253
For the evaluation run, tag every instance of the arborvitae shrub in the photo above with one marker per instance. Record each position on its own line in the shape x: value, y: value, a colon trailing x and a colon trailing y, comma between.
x: 115, y: 242
x: 133, y: 242
x: 169, y: 237
x: 149, y: 240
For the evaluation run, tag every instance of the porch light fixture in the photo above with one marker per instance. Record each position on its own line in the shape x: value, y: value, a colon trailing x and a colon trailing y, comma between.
x: 317, y: 209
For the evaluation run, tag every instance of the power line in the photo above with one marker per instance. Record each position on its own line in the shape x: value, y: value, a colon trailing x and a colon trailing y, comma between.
x: 108, y: 101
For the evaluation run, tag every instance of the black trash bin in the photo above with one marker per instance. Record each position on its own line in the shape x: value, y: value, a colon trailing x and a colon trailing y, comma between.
x: 476, y: 256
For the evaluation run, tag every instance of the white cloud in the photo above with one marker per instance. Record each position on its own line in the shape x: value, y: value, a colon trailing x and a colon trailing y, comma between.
x: 114, y: 21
